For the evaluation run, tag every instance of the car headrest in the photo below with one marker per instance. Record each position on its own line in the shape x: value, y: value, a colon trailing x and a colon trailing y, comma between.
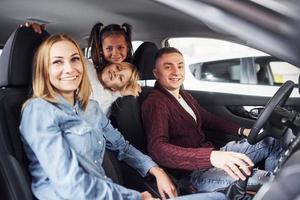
x: 143, y: 59
x: 16, y: 60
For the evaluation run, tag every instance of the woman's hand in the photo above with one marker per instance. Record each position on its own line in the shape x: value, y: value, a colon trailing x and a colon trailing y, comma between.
x: 164, y: 183
x: 38, y: 28
x: 232, y: 163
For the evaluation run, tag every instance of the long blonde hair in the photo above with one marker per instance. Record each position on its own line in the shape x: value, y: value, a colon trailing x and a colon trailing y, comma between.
x: 41, y: 85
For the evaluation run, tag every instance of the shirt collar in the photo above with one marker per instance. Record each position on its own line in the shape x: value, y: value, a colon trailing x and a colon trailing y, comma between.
x: 165, y: 91
x: 64, y: 105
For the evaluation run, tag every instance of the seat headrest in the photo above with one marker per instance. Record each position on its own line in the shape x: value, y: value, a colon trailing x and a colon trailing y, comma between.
x: 17, y: 57
x: 143, y: 59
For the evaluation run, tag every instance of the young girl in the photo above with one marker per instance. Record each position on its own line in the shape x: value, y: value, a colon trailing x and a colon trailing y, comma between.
x: 114, y: 81
x: 66, y: 150
x: 111, y: 45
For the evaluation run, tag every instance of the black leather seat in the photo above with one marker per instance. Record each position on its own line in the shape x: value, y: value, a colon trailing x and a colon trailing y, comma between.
x: 15, y: 82
x: 144, y: 58
x: 125, y: 115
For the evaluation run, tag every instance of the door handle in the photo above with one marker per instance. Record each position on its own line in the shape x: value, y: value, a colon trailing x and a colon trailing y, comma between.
x: 255, y: 112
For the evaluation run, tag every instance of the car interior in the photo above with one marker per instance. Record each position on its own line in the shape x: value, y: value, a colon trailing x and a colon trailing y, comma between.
x: 280, y: 117
x: 16, y: 62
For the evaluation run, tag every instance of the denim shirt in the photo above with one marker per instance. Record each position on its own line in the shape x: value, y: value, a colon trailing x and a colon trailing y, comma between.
x: 65, y: 146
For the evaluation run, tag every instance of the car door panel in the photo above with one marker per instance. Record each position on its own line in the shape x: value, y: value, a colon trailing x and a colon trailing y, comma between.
x: 229, y: 107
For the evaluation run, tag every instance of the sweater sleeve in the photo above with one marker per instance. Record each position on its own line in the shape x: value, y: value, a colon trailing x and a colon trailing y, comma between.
x: 214, y: 122
x: 155, y: 115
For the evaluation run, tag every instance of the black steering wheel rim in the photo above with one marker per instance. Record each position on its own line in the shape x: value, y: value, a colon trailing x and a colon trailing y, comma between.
x: 278, y: 99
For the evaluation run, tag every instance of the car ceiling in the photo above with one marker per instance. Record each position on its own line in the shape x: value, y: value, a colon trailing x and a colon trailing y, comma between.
x: 150, y: 20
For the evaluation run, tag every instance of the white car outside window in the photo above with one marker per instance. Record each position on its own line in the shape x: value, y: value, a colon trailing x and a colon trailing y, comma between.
x: 136, y: 44
x: 248, y: 71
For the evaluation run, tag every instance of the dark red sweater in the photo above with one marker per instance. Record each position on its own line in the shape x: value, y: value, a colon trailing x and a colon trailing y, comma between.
x: 175, y: 139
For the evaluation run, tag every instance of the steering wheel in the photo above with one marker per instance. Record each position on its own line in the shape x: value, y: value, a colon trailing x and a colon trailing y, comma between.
x: 278, y: 99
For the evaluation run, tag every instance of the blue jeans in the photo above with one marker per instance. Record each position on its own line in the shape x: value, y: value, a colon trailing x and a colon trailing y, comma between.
x: 203, y: 196
x: 211, y: 179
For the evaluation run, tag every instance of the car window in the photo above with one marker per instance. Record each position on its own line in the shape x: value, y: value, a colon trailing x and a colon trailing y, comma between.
x: 227, y: 71
x: 136, y: 44
x: 266, y: 70
x: 197, y: 50
x: 222, y: 66
x: 283, y: 71
x: 216, y: 60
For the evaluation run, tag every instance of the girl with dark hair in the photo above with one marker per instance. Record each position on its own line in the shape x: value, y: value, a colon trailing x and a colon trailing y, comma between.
x: 110, y: 44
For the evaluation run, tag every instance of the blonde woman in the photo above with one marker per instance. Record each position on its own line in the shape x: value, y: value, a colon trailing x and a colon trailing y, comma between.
x: 65, y: 134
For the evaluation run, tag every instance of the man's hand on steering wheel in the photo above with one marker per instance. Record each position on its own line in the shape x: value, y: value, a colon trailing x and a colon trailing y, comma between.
x: 244, y: 132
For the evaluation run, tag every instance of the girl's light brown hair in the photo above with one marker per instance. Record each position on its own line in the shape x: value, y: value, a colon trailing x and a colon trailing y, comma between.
x: 41, y: 85
x: 132, y: 83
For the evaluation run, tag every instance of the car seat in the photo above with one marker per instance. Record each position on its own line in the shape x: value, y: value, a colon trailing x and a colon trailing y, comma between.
x: 125, y: 115
x: 144, y: 60
x: 15, y: 82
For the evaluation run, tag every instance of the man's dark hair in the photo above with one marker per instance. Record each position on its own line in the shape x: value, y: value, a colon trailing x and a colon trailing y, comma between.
x: 166, y: 50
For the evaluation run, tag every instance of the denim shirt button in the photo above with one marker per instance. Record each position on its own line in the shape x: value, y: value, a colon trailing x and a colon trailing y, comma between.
x: 99, y: 142
x: 95, y: 161
x: 75, y: 111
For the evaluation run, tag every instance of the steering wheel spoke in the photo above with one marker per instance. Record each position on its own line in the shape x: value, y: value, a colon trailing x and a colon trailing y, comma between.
x: 279, y: 99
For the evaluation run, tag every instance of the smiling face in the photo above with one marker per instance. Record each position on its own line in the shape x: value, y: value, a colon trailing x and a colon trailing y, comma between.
x: 65, y: 69
x: 169, y: 71
x: 115, y: 76
x: 115, y: 48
